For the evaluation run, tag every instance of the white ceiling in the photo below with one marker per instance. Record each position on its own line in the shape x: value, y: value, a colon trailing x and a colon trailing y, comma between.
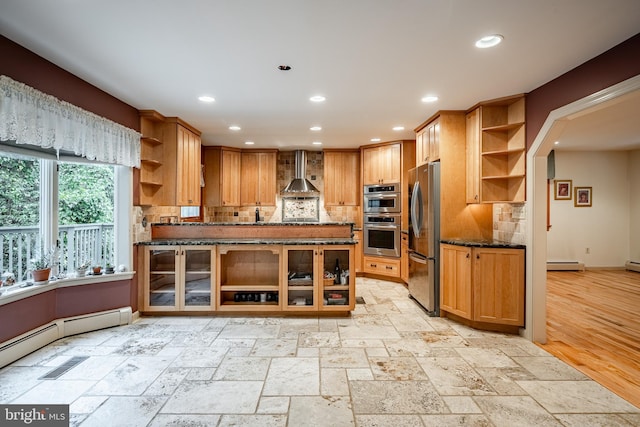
x: 373, y: 59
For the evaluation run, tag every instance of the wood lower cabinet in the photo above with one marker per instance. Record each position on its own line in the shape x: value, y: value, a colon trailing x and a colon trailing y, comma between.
x: 455, y: 280
x: 249, y: 277
x: 483, y: 284
x: 382, y: 266
x: 342, y: 178
x: 498, y: 286
x: 178, y: 278
x: 258, y: 178
x: 307, y: 289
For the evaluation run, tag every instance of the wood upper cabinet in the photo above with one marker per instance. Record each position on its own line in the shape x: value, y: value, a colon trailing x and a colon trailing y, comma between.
x: 483, y: 284
x: 341, y: 178
x: 428, y: 142
x: 188, y: 170
x: 222, y: 176
x: 382, y: 164
x: 496, y: 151
x: 258, y: 178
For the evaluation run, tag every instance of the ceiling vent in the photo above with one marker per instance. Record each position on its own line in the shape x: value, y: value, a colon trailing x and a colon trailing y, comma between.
x: 300, y: 184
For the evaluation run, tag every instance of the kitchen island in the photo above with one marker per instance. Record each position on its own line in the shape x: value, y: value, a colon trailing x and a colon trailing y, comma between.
x: 248, y: 268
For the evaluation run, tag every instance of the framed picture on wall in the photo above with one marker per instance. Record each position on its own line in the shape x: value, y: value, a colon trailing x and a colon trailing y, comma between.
x: 582, y: 197
x: 562, y: 189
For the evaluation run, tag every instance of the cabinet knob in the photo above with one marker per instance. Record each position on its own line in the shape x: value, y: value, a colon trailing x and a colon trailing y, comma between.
x: 477, y: 256
x: 467, y: 255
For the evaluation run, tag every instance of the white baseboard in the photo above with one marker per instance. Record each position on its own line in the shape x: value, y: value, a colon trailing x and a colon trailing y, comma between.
x: 632, y: 266
x: 565, y: 266
x: 35, y: 339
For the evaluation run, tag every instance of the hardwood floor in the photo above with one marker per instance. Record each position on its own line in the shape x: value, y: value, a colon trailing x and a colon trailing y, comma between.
x: 593, y: 323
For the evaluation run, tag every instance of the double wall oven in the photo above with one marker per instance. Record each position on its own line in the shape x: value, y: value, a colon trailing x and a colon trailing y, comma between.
x: 382, y: 220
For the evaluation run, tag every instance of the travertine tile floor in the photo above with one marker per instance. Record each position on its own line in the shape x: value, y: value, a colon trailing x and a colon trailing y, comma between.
x: 387, y: 365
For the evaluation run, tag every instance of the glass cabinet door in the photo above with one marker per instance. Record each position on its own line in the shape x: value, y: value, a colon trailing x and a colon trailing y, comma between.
x: 339, y: 278
x: 301, y: 278
x: 161, y: 290
x: 198, y: 277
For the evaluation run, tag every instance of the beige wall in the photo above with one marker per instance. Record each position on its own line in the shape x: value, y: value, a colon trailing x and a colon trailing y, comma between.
x: 634, y: 205
x: 605, y: 227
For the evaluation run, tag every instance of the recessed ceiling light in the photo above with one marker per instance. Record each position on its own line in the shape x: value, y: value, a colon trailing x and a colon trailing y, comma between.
x: 489, y: 41
x: 248, y: 143
x: 206, y: 98
x: 234, y: 127
x: 315, y: 128
x: 375, y: 140
x: 317, y: 143
x: 317, y: 98
x: 430, y: 98
x: 556, y: 143
x: 398, y: 128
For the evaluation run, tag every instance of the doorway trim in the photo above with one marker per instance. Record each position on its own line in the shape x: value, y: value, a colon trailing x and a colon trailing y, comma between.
x: 536, y: 211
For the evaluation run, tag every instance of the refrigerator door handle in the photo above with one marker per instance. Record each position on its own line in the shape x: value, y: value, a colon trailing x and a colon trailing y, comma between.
x: 416, y: 208
x: 417, y: 258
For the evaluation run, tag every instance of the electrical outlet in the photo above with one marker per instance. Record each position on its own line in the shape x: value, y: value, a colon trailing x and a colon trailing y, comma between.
x: 587, y: 251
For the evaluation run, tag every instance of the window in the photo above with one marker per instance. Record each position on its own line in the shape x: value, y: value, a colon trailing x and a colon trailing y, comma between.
x: 71, y: 203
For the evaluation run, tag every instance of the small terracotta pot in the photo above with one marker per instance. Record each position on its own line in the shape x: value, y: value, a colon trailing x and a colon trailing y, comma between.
x: 41, y: 275
x: 96, y: 270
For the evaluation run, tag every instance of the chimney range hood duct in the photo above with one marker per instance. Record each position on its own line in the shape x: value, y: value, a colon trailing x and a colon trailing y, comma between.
x: 300, y: 184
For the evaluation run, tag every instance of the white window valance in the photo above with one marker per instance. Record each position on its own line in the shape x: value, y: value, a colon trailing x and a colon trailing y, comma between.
x: 28, y: 116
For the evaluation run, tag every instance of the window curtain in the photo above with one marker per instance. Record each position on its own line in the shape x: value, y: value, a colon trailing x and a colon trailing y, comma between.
x: 28, y: 116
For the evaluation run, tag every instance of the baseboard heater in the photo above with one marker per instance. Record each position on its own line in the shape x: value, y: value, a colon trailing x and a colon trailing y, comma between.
x: 565, y: 266
x: 632, y: 266
x: 35, y: 339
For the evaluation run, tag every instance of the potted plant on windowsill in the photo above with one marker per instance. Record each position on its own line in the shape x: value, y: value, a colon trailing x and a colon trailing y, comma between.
x: 109, y: 268
x: 81, y: 270
x: 41, y: 266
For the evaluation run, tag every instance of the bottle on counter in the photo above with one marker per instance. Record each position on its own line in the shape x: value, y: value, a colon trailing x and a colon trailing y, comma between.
x: 257, y: 215
x: 336, y: 272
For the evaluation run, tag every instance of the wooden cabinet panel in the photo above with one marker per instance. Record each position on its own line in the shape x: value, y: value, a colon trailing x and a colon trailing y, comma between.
x: 341, y: 178
x: 222, y: 176
x: 498, y: 286
x: 473, y: 156
x: 188, y: 171
x: 258, y: 178
x: 404, y: 257
x: 455, y: 280
x: 428, y: 143
x: 382, y: 164
x: 357, y: 236
x: 382, y: 266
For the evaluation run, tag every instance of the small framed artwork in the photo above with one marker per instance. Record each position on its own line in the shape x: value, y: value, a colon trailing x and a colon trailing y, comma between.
x: 562, y: 189
x: 582, y: 197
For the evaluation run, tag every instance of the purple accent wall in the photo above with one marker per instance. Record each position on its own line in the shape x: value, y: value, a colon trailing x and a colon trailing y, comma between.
x: 25, y: 66
x: 613, y: 66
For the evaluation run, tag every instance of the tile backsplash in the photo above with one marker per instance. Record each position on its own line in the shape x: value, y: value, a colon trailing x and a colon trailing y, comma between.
x: 509, y: 222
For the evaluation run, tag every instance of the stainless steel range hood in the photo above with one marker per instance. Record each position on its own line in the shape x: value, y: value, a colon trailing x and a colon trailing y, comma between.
x: 300, y: 184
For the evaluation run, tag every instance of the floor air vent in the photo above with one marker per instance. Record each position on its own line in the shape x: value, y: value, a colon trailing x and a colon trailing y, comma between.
x: 65, y: 367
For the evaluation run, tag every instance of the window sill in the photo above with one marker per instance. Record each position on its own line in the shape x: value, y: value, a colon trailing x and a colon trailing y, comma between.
x: 23, y: 290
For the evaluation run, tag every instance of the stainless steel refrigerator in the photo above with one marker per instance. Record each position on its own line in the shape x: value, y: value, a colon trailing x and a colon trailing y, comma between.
x: 424, y: 236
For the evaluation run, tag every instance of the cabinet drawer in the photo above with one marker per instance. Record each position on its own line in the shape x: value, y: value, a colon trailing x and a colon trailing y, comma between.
x: 383, y: 266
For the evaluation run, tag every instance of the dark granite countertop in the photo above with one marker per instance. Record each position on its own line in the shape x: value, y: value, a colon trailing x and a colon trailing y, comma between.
x: 482, y: 243
x: 251, y: 241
